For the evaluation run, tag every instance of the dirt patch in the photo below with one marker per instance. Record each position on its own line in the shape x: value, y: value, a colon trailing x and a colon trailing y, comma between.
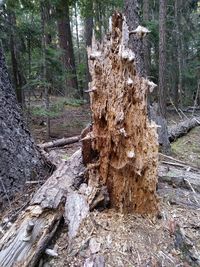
x: 128, y: 240
x: 69, y: 121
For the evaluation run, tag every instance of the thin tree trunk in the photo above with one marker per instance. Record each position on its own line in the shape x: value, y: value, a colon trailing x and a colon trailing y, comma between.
x: 98, y: 22
x: 65, y: 39
x: 179, y: 49
x: 162, y: 58
x: 78, y: 46
x: 89, y: 25
x: 44, y: 67
x: 17, y: 74
x: 147, y: 49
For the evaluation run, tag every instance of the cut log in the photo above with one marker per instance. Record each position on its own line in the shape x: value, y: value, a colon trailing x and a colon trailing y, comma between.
x: 182, y: 128
x: 122, y: 137
x: 24, y: 242
x: 60, y: 142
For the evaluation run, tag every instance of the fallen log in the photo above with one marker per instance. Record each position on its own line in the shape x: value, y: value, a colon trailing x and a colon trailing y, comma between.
x: 179, y: 196
x: 60, y: 142
x: 23, y: 244
x: 179, y: 177
x: 182, y: 128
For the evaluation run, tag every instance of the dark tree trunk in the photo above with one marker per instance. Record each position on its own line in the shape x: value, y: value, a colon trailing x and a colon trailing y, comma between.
x: 162, y: 97
x: 162, y: 93
x: 65, y: 39
x: 17, y: 73
x: 136, y: 44
x: 20, y: 160
x: 147, y: 51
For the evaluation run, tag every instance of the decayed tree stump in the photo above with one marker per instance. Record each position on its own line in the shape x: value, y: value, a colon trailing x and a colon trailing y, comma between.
x: 124, y: 139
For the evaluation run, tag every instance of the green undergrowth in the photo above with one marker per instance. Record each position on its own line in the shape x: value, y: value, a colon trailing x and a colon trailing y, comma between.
x: 56, y: 108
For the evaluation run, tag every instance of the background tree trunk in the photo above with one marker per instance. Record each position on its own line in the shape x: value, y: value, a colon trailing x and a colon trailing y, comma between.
x: 135, y: 43
x: 89, y: 24
x: 147, y: 49
x: 178, y: 6
x: 65, y: 39
x: 45, y: 39
x: 17, y: 73
x: 20, y: 159
x: 162, y: 94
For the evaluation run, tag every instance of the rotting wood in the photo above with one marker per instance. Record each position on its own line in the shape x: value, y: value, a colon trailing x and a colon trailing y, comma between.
x: 60, y: 142
x: 44, y: 214
x: 124, y: 139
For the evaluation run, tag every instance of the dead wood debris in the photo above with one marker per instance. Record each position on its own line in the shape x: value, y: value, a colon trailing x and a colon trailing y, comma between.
x: 60, y: 142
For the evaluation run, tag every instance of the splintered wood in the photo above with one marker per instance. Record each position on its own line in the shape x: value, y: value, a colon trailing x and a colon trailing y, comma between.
x: 122, y: 136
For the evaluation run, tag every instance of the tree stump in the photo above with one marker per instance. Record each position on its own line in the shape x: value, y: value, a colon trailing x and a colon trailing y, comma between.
x: 122, y: 136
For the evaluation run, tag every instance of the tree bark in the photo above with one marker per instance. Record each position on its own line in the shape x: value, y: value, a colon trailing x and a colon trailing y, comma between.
x: 122, y: 136
x: 162, y: 58
x: 65, y: 40
x: 20, y: 159
x: 135, y: 43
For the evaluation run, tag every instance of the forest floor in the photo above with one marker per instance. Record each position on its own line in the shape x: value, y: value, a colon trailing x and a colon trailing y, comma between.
x: 68, y: 118
x: 133, y: 240
x: 173, y: 239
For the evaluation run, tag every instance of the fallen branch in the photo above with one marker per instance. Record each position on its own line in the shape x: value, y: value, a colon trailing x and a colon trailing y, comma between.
x: 60, y: 142
x: 188, y: 167
x: 171, y: 158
